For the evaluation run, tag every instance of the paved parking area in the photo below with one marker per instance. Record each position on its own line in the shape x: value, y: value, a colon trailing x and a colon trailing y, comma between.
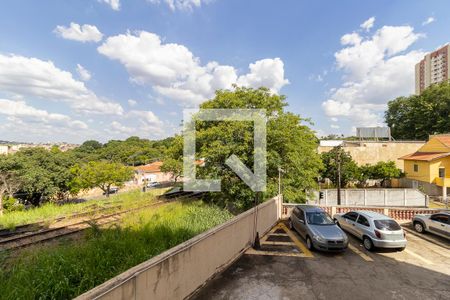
x: 421, y: 271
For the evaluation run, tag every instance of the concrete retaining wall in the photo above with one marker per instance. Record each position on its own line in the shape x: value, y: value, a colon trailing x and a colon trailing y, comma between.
x: 178, y: 272
x: 375, y: 197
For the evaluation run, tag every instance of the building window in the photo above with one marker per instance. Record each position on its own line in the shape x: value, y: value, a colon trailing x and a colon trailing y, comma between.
x: 441, y: 172
x: 416, y: 168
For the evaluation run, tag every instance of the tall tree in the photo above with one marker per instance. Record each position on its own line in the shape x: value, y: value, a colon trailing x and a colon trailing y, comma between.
x: 418, y: 116
x: 9, y: 180
x: 291, y: 145
x: 100, y: 174
x: 348, y: 168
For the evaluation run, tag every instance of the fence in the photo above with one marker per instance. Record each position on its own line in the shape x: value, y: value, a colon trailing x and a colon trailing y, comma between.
x: 375, y: 197
x: 178, y: 272
x: 398, y: 213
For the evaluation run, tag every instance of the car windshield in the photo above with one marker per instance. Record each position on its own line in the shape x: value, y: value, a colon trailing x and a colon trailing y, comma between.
x: 389, y: 225
x: 318, y: 218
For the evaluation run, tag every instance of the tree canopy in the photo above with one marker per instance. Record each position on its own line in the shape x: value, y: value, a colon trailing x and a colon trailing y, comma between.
x: 349, y: 169
x: 418, y: 116
x: 100, y: 174
x: 291, y: 145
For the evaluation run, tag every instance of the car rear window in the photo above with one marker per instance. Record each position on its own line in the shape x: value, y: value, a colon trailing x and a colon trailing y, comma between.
x: 390, y: 225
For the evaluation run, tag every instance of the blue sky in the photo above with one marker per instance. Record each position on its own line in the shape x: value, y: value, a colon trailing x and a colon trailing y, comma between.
x: 104, y: 69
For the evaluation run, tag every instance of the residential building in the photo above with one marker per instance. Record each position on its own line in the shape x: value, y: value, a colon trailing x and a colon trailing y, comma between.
x: 4, y: 149
x: 430, y: 165
x: 151, y: 173
x: 433, y: 68
x: 371, y: 152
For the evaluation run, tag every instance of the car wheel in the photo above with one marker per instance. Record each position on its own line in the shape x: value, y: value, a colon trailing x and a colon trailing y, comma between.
x: 400, y: 249
x: 418, y: 227
x: 368, y: 244
x: 309, y: 243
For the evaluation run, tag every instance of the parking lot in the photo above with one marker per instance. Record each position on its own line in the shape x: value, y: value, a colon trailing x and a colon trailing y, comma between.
x: 284, y: 269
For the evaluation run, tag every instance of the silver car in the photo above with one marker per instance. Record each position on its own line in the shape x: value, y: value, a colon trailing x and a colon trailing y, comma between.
x: 374, y: 229
x: 438, y: 223
x: 317, y: 228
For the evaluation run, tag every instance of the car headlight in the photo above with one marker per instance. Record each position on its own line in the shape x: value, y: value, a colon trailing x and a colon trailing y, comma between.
x: 319, y: 238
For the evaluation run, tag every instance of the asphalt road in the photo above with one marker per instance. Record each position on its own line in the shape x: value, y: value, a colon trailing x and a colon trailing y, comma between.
x: 421, y: 271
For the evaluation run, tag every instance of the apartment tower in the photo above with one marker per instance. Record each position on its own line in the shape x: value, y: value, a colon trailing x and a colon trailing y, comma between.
x: 433, y: 68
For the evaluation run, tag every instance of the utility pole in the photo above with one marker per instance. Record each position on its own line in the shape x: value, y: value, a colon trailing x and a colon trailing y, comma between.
x: 280, y: 170
x: 339, y: 177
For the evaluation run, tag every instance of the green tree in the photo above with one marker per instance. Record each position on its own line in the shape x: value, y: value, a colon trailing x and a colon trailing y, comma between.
x: 418, y: 116
x: 174, y: 166
x: 100, y: 174
x: 381, y: 170
x: 291, y: 145
x: 44, y: 174
x: 9, y: 181
x: 349, y: 169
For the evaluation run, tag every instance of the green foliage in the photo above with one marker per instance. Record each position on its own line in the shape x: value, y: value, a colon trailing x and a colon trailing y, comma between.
x: 71, y: 268
x: 349, y: 169
x: 418, y: 116
x: 43, y: 174
x: 100, y: 174
x: 174, y: 166
x: 382, y: 170
x: 351, y: 172
x: 291, y: 145
x: 50, y: 211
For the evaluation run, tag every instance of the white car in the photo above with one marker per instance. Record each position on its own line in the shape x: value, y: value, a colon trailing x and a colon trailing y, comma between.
x: 438, y: 224
x: 374, y: 229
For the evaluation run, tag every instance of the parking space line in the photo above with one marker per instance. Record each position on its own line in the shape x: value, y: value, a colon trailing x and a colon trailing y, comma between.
x: 277, y: 243
x: 252, y: 251
x: 360, y: 253
x: 296, y: 241
x: 418, y: 256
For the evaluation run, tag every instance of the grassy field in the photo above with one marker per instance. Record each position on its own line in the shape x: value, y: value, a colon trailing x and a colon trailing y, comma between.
x: 51, y: 211
x: 71, y: 268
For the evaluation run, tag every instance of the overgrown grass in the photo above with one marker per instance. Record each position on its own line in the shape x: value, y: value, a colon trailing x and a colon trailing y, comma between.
x: 69, y: 269
x: 51, y: 211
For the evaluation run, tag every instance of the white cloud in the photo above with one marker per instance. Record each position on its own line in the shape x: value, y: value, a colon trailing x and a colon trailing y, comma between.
x: 367, y: 24
x: 181, y: 4
x: 132, y: 102
x: 266, y: 72
x: 115, y: 4
x: 375, y: 71
x: 145, y: 116
x: 19, y: 109
x: 85, y: 75
x: 174, y: 72
x: 334, y: 126
x: 350, y: 39
x: 31, y: 77
x: 334, y: 119
x: 118, y: 127
x: 428, y: 21
x: 81, y: 33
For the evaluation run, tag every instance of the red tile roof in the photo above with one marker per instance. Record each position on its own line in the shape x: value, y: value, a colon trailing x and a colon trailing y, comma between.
x: 444, y: 139
x: 153, y: 167
x: 425, y: 156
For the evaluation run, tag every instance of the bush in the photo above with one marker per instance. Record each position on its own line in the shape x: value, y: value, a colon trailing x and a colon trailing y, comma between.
x: 11, y: 204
